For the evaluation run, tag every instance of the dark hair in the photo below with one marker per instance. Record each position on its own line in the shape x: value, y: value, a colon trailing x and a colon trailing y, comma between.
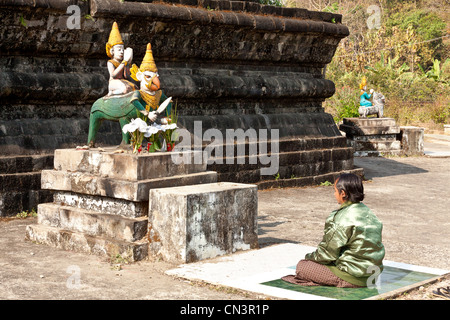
x: 352, y: 186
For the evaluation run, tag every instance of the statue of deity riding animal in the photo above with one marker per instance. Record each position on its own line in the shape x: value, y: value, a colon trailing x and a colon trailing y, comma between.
x: 366, y: 107
x: 124, y: 100
x: 377, y: 108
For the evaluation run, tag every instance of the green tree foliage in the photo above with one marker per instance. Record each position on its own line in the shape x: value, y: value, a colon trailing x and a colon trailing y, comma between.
x: 406, y: 58
x: 277, y: 3
x: 427, y: 26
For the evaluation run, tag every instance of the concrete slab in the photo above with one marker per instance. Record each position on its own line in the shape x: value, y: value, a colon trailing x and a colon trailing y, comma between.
x: 254, y: 270
x: 86, y: 183
x: 437, y: 145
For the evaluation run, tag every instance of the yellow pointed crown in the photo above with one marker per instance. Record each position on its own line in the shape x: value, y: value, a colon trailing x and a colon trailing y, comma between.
x: 148, y: 63
x: 363, y: 83
x: 114, y: 39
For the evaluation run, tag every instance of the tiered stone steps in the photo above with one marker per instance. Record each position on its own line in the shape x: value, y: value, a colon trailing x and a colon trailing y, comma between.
x: 301, y: 162
x: 372, y: 136
x: 100, y: 203
x: 75, y: 241
x: 92, y: 223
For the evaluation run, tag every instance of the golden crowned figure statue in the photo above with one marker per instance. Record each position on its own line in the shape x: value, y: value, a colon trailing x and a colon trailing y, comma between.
x: 119, y: 64
x: 364, y: 97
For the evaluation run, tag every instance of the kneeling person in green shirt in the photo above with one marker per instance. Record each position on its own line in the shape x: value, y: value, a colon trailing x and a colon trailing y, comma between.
x: 351, y: 248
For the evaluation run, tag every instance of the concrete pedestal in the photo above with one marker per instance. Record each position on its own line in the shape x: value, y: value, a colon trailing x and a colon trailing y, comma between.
x: 411, y: 139
x: 192, y: 223
x: 100, y: 203
x: 372, y: 136
x: 447, y: 128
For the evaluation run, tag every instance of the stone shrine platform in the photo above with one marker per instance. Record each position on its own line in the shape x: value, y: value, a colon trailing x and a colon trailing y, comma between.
x: 114, y: 203
x: 382, y: 136
x: 399, y: 192
x: 372, y: 136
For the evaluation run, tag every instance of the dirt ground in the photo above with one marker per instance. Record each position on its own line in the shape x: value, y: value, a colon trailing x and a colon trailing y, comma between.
x: 426, y: 292
x: 409, y: 195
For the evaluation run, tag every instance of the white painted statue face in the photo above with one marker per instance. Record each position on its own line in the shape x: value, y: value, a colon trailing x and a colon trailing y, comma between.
x: 148, y: 76
x: 149, y: 80
x: 117, y: 52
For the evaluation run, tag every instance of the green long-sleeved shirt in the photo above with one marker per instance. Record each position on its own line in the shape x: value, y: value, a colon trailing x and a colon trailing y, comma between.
x: 351, y: 245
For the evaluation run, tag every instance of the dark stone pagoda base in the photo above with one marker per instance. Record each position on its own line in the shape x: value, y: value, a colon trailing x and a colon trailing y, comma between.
x: 228, y: 64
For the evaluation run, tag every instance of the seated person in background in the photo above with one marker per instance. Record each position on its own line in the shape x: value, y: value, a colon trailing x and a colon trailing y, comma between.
x: 351, y: 248
x: 364, y: 98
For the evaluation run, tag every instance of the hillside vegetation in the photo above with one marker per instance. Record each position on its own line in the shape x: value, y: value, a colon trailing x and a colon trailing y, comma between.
x: 402, y: 48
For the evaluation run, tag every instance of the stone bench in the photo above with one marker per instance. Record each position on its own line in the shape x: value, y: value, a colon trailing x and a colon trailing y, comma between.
x: 192, y: 223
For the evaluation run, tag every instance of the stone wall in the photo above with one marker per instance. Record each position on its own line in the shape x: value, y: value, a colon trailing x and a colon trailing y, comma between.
x: 229, y: 64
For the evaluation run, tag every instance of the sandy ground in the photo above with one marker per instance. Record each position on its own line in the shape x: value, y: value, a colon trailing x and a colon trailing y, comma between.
x: 409, y: 195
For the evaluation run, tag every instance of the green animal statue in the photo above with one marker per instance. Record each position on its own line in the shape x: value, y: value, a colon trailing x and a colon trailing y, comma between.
x: 121, y: 108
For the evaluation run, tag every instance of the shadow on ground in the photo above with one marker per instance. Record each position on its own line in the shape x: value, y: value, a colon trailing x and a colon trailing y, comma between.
x: 265, y: 226
x: 384, y: 167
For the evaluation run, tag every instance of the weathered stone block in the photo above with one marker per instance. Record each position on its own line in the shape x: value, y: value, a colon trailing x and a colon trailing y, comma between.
x: 192, y: 223
x: 79, y: 242
x: 125, y: 166
x: 92, y: 223
x: 108, y: 205
x: 412, y: 140
x: 86, y: 183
